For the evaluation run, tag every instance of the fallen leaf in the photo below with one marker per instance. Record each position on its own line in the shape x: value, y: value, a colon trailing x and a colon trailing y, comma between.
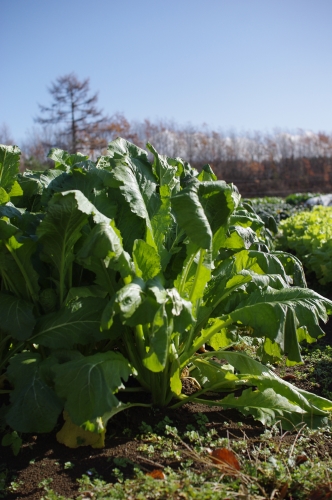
x: 300, y: 459
x: 289, y: 376
x: 322, y: 492
x: 156, y: 474
x: 283, y: 491
x: 223, y: 456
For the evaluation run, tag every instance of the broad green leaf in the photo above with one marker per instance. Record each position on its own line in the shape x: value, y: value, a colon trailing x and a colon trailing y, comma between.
x: 90, y: 183
x: 4, y: 196
x: 88, y: 385
x: 120, y: 148
x: 85, y: 291
x: 191, y: 217
x: 64, y: 160
x: 147, y: 260
x: 258, y: 375
x: 9, y: 167
x: 164, y: 171
x: 129, y: 224
x: 17, y: 318
x: 277, y: 313
x: 128, y: 299
x: 7, y: 230
x: 270, y: 399
x: 35, y: 186
x: 16, y: 190
x: 219, y: 200
x: 162, y: 221
x: 240, y: 237
x: 202, y: 208
x: 76, y: 323
x: 134, y: 177
x: 293, y: 267
x: 267, y: 406
x: 34, y: 405
x: 214, y: 376
x: 207, y: 174
x: 58, y: 232
x: 21, y: 219
x: 195, y: 274
x: 104, y: 244
x: 224, y: 338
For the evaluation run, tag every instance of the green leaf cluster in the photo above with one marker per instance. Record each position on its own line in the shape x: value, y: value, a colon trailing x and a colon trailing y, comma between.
x: 116, y: 273
x: 309, y: 235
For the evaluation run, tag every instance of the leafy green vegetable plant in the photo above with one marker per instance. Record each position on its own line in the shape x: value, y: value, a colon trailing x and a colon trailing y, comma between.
x: 116, y: 273
x: 309, y: 235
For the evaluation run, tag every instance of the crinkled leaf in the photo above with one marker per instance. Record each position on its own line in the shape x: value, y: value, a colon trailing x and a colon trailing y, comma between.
x: 90, y: 183
x: 103, y: 243
x: 164, y: 171
x: 147, y: 260
x: 202, y: 208
x: 64, y: 160
x: 134, y: 177
x: 293, y: 267
x: 128, y: 299
x: 191, y: 217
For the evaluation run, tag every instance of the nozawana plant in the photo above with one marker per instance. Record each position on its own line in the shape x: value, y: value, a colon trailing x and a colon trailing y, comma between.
x: 114, y: 275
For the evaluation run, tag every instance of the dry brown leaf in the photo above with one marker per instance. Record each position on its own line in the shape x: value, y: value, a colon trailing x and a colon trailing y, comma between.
x: 225, y: 457
x: 322, y: 492
x: 156, y: 474
x: 283, y: 491
x: 300, y: 459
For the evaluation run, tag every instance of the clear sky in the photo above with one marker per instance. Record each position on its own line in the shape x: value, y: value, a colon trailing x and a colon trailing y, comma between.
x: 232, y: 64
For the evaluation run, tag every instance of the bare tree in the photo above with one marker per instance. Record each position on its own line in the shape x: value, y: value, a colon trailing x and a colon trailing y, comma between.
x: 75, y: 110
x: 5, y: 135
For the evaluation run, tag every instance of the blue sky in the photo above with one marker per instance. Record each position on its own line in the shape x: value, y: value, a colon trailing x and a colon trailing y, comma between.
x: 232, y: 64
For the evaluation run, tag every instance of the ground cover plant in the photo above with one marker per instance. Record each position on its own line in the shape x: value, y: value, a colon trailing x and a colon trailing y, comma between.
x: 114, y: 276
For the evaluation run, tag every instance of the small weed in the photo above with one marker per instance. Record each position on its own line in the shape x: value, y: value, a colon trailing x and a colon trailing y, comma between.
x: 45, y: 483
x: 122, y: 461
x: 68, y: 465
x: 13, y: 440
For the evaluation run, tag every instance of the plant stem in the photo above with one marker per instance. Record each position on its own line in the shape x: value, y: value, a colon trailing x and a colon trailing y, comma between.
x: 200, y: 263
x: 186, y: 271
x: 186, y: 355
x: 24, y: 274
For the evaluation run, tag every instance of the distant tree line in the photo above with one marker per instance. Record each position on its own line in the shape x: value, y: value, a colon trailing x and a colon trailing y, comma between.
x: 259, y: 164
